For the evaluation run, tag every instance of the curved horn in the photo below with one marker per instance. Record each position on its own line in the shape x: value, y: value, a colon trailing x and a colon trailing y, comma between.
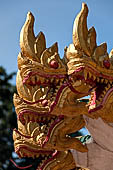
x: 80, y: 31
x: 91, y: 39
x: 40, y: 44
x: 27, y: 37
x: 31, y: 46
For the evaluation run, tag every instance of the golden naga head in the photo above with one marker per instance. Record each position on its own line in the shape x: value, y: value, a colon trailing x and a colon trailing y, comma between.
x: 44, y: 88
x: 89, y: 63
x: 38, y: 65
x: 84, y: 42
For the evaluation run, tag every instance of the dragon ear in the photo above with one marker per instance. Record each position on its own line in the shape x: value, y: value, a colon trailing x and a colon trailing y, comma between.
x: 50, y: 59
x: 91, y: 40
x: 100, y: 52
x: 31, y: 46
x: 40, y: 44
x: 54, y: 48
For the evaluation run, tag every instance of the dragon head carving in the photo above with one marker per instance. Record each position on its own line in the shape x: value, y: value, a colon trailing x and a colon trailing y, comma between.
x: 91, y: 65
x: 45, y: 104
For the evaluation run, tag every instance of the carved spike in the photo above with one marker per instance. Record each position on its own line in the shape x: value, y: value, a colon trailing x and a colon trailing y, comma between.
x: 100, y: 51
x: 53, y: 48
x: 27, y: 38
x: 40, y: 44
x: 91, y: 40
x: 80, y: 31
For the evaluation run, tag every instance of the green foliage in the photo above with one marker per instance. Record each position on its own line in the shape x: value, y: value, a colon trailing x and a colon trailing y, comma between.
x: 7, y: 118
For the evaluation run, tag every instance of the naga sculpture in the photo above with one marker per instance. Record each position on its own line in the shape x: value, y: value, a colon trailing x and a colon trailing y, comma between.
x: 93, y: 65
x: 48, y: 103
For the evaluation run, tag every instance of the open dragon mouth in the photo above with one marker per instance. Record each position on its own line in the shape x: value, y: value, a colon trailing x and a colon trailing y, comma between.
x: 99, y: 95
x: 46, y: 89
x: 39, y: 127
x: 38, y: 78
x: 100, y: 86
x: 43, y: 158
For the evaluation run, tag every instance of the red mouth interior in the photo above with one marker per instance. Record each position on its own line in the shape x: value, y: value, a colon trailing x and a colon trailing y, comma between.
x: 101, y: 85
x: 38, y: 162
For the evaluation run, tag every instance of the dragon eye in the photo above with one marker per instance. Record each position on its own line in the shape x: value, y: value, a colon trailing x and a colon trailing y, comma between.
x: 106, y: 64
x: 44, y: 102
x: 54, y: 64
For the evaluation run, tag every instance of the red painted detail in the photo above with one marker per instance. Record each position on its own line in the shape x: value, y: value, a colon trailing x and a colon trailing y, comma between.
x: 106, y: 64
x: 44, y: 103
x: 53, y: 64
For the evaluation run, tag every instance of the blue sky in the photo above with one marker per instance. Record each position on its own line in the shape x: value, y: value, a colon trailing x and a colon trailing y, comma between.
x: 54, y: 18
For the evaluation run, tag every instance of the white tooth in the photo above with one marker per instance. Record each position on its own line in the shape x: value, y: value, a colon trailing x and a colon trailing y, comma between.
x: 102, y: 80
x: 33, y: 79
x: 52, y: 79
x: 109, y: 85
x: 92, y: 106
x: 60, y: 83
x: 42, y: 89
x: 98, y: 79
x: 85, y: 75
x: 106, y: 81
x: 56, y: 90
x: 94, y: 77
x: 90, y: 75
x: 106, y: 88
x: 43, y: 128
x: 111, y: 82
x: 104, y: 92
